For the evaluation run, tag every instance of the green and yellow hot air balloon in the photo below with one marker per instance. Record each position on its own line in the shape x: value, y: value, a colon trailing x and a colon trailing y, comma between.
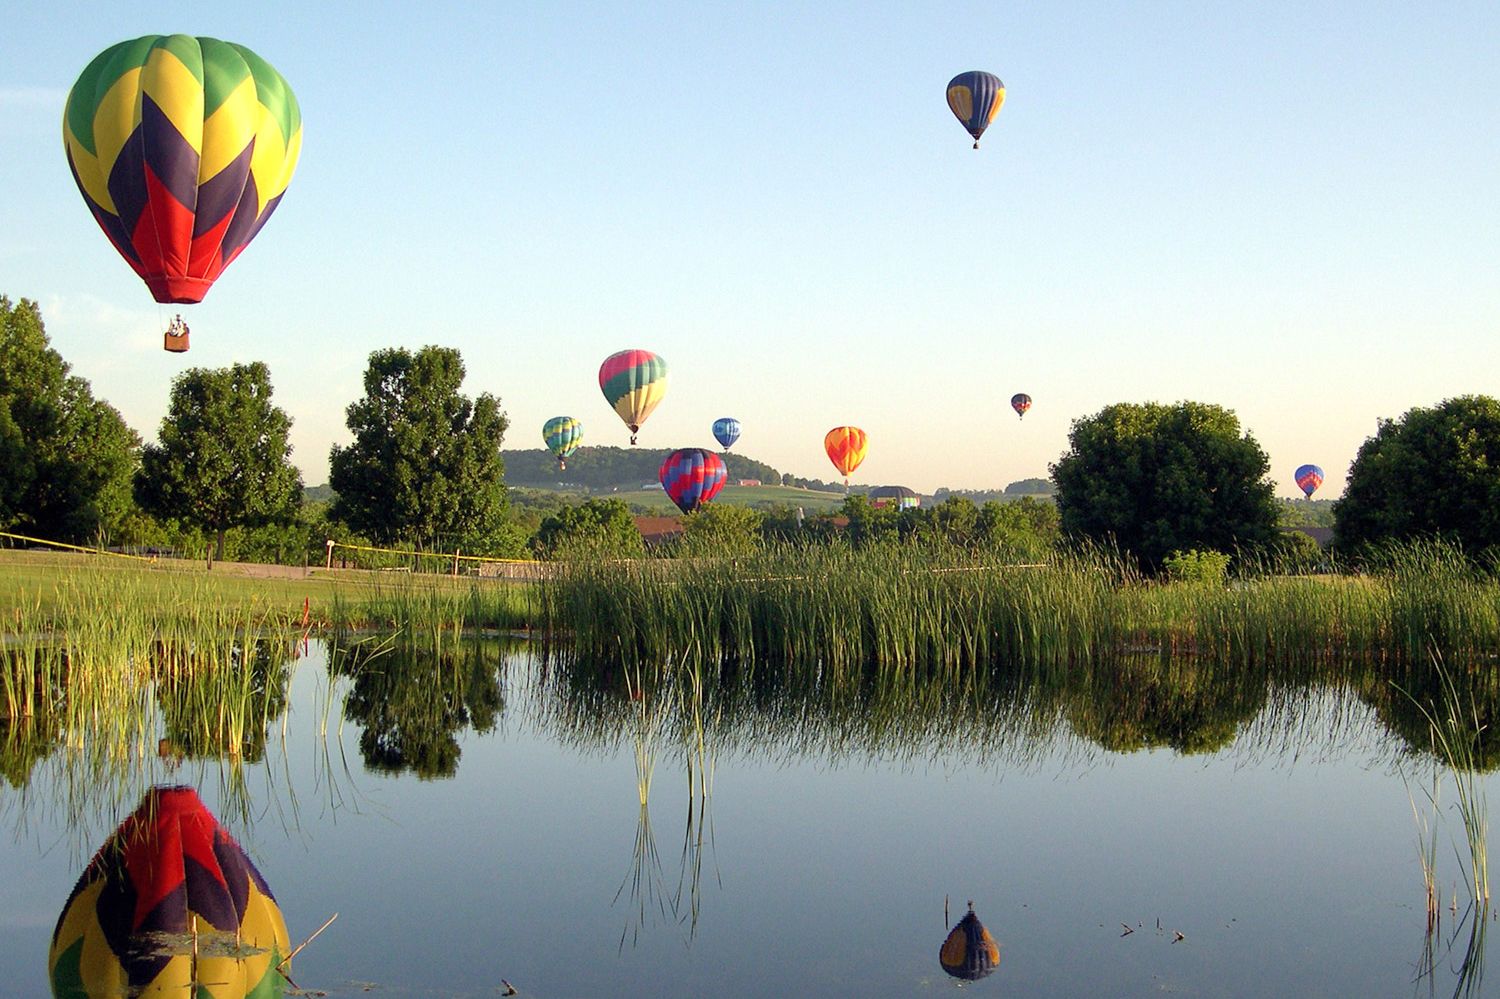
x: 563, y: 435
x: 182, y: 148
x: 170, y: 906
x: 633, y: 382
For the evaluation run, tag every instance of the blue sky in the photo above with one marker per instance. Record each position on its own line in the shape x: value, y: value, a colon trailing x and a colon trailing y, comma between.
x: 1289, y: 209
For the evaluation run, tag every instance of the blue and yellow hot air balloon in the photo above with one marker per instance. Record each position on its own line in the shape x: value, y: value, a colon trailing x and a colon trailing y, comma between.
x: 692, y: 476
x: 633, y: 382
x: 1309, y: 478
x: 182, y: 147
x: 975, y: 98
x: 726, y: 431
x: 563, y: 435
x: 169, y: 906
x: 970, y: 952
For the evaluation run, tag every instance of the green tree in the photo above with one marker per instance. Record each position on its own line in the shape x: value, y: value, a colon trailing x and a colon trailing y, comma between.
x: 595, y: 527
x: 222, y: 458
x: 66, y: 458
x: 1433, y: 472
x: 1156, y: 479
x: 723, y: 530
x: 425, y: 464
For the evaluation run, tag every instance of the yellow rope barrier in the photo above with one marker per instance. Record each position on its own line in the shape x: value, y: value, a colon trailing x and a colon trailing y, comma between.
x: 76, y: 548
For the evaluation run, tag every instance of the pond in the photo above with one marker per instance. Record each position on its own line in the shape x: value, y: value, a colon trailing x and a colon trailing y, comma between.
x: 484, y: 819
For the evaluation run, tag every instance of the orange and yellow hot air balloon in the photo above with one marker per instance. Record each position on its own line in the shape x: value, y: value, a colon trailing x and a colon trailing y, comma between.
x: 846, y: 448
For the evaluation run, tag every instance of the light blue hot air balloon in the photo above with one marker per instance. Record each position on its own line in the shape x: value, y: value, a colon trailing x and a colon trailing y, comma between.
x: 726, y: 431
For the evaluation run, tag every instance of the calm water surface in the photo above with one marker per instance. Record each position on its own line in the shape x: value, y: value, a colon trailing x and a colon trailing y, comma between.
x: 483, y: 822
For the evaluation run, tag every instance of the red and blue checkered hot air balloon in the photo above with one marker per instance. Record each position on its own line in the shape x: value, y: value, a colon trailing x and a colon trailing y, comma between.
x: 1309, y: 478
x: 692, y: 477
x: 169, y: 906
x: 182, y: 147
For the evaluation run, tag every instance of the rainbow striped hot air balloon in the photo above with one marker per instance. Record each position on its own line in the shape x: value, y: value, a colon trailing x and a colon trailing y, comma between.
x: 975, y: 99
x: 969, y: 952
x: 182, y: 147
x: 1020, y: 402
x: 1309, y: 478
x: 633, y: 382
x: 692, y: 476
x: 846, y: 448
x: 563, y: 435
x: 726, y: 431
x: 169, y: 906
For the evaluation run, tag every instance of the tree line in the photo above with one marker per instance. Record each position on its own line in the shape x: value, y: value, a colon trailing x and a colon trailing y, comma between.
x: 1163, y: 483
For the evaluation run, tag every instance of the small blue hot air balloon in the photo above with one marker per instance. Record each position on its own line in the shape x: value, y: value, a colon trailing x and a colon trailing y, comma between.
x: 726, y: 431
x: 1309, y: 478
x: 975, y: 98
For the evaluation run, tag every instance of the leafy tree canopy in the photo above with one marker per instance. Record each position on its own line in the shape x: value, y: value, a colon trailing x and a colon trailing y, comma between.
x: 66, y: 458
x: 1432, y: 472
x: 722, y: 530
x: 222, y: 457
x: 601, y: 527
x: 425, y: 463
x: 1155, y: 479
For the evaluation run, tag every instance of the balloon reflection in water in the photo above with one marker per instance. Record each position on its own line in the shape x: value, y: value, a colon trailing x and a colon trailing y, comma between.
x: 969, y: 952
x: 169, y: 906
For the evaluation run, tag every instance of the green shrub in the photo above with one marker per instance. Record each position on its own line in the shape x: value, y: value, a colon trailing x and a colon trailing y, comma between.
x: 1195, y: 566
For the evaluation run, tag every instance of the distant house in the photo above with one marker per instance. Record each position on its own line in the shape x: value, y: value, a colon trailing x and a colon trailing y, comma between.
x: 1322, y: 535
x: 748, y: 482
x: 655, y: 530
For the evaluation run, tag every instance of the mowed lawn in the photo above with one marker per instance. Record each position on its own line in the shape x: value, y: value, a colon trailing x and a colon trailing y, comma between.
x: 41, y: 581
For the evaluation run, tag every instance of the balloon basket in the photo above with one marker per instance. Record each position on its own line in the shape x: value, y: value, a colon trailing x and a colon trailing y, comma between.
x: 175, y: 339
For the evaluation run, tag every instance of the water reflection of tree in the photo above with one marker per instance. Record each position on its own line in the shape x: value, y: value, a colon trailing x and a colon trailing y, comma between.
x: 1407, y: 697
x: 1191, y: 705
x: 413, y: 700
x: 24, y: 742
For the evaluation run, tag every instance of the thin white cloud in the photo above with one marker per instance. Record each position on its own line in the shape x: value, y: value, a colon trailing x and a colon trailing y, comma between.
x: 39, y: 98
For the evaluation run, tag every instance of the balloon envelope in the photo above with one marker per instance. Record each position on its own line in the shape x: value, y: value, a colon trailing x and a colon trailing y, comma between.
x: 1309, y: 478
x: 692, y: 476
x: 182, y: 147
x: 563, y: 435
x: 1020, y: 402
x: 899, y: 497
x: 726, y: 431
x: 975, y: 98
x: 170, y: 905
x: 846, y: 448
x: 969, y: 952
x: 633, y: 382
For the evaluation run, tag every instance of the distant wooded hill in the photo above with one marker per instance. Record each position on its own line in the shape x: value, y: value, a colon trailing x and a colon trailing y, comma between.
x: 605, y: 469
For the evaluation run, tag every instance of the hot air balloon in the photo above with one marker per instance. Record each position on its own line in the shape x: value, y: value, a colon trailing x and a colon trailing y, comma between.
x: 975, y: 98
x: 692, y: 477
x: 1020, y: 402
x: 170, y: 905
x: 846, y: 449
x: 563, y: 434
x: 899, y: 497
x: 969, y: 952
x: 726, y: 431
x: 182, y: 147
x: 1309, y: 478
x: 633, y: 381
